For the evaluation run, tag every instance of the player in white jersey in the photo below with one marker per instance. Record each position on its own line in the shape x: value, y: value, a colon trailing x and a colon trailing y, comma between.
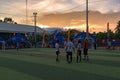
x: 79, y: 49
x: 57, y: 50
x: 69, y: 50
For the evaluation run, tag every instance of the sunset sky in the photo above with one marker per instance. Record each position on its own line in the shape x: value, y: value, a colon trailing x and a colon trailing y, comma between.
x: 63, y: 13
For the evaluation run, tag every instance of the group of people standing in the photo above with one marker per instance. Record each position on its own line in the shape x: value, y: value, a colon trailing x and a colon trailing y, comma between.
x: 70, y: 48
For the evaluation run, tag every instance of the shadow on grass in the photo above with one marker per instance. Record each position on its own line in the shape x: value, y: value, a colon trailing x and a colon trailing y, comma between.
x: 47, y: 72
x: 105, y: 62
x: 63, y: 57
x: 106, y: 55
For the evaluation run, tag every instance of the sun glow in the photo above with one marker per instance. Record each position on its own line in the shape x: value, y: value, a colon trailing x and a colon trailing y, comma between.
x: 80, y: 27
x: 92, y: 27
x: 43, y: 26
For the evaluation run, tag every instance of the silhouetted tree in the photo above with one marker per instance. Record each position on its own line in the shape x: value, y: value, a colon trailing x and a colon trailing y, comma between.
x: 9, y: 20
x: 117, y: 30
x: 101, y: 35
x: 112, y: 35
x: 1, y: 20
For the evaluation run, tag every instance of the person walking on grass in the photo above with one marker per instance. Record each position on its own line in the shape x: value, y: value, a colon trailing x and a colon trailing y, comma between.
x: 79, y: 49
x: 17, y: 46
x: 85, y: 49
x: 3, y: 45
x: 69, y: 50
x: 57, y: 50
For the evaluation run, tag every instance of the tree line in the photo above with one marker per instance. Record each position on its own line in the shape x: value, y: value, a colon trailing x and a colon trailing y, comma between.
x: 113, y: 35
x: 8, y: 20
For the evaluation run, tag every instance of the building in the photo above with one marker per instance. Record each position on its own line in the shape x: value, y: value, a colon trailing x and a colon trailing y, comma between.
x: 18, y: 28
x: 7, y: 32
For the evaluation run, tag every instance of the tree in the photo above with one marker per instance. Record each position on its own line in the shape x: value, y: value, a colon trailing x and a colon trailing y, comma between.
x: 9, y: 20
x: 117, y: 30
x: 1, y: 20
x: 101, y: 35
x: 112, y: 35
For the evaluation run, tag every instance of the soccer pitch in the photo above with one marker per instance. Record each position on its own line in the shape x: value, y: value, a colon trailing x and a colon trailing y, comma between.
x: 40, y: 64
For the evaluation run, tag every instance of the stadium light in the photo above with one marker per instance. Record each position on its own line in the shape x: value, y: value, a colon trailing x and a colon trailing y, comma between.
x: 35, y: 15
x: 87, y: 26
x: 26, y: 11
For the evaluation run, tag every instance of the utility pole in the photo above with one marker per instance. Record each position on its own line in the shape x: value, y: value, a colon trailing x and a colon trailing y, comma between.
x: 108, y: 31
x: 87, y: 26
x: 35, y: 15
x: 26, y: 12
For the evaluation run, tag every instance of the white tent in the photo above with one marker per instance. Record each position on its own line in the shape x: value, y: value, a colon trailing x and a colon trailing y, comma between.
x: 18, y: 28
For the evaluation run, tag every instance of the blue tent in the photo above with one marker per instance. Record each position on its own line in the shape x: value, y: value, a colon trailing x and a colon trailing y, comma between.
x: 57, y: 36
x: 82, y: 36
x: 17, y: 39
x: 1, y: 39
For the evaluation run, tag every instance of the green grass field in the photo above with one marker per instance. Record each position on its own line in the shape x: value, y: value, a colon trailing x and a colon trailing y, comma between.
x: 40, y: 64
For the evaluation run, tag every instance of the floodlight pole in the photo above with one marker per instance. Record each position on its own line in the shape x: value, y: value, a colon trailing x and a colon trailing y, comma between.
x: 35, y: 15
x: 26, y: 11
x: 87, y: 26
x: 108, y: 31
